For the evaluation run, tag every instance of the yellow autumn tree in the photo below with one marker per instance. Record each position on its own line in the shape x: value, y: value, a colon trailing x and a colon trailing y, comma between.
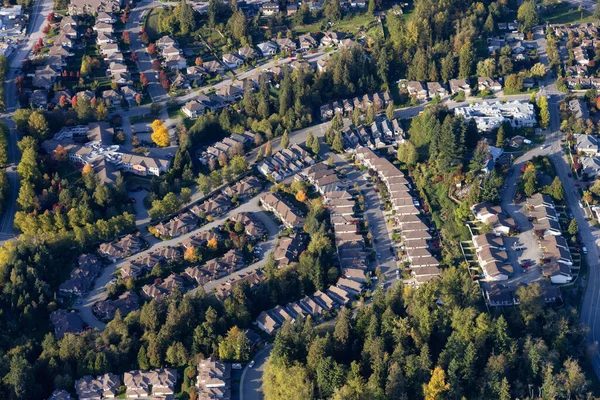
x: 190, y: 254
x: 301, y: 196
x: 160, y: 133
x: 212, y: 244
x: 436, y: 386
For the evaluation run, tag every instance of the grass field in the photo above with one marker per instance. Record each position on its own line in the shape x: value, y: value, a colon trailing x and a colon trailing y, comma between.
x: 152, y: 24
x: 349, y: 25
x: 565, y: 13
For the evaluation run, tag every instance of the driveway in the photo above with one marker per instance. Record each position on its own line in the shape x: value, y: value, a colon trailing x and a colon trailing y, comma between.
x: 251, y: 382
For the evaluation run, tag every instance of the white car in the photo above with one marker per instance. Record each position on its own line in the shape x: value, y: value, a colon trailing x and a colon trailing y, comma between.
x: 251, y: 364
x: 584, y: 250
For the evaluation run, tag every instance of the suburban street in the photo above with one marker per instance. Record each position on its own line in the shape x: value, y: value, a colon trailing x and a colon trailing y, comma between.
x: 251, y: 381
x: 85, y: 303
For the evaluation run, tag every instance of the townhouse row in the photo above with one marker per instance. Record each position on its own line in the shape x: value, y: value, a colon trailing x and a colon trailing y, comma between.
x: 414, y: 230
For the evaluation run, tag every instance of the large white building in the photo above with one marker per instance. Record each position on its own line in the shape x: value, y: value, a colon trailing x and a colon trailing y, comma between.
x: 489, y: 116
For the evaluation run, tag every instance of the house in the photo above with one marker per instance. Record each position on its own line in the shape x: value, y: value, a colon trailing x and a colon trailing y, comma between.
x: 62, y: 40
x: 247, y: 187
x: 103, y: 386
x: 458, y: 85
x: 489, y: 84
x: 39, y: 98
x: 168, y: 51
x: 158, y: 383
x: 213, y: 380
x: 60, y: 395
x: 104, y: 38
x: 232, y: 60
x: 109, y: 49
x: 307, y: 41
x: 111, y: 98
x: 436, y: 89
x: 125, y: 303
x: 331, y: 38
x: 288, y: 214
x: 246, y: 53
x: 230, y: 93
x: 125, y: 247
x: 79, y: 7
x: 193, y: 109
x: 286, y: 44
x: 416, y: 89
x: 289, y: 248
x: 587, y: 144
x: 270, y: 8
x: 591, y: 167
x: 579, y: 109
x: 82, y: 276
x: 105, y: 17
x: 177, y: 226
x: 165, y: 42
x: 164, y: 288
x: 267, y: 323
x: 117, y: 68
x: 129, y: 94
x: 212, y: 67
x: 268, y: 49
x: 175, y: 62
x: 65, y: 322
x: 103, y: 27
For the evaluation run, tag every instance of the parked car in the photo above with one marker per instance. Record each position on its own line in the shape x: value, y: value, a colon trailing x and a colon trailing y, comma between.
x: 584, y: 250
x: 236, y: 366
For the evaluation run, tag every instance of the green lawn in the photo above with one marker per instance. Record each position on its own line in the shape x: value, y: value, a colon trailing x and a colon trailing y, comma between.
x: 152, y: 24
x: 350, y: 24
x: 564, y: 13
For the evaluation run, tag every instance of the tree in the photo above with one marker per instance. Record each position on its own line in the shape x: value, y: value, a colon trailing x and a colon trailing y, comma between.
x: 142, y: 359
x: 372, y: 7
x: 185, y: 15
x: 437, y: 385
x: 542, y: 102
x: 268, y: 149
x: 101, y: 112
x: 556, y: 189
x: 235, y: 346
x: 238, y: 164
x: 513, y: 84
x: 500, y: 137
x: 37, y: 125
x: 488, y: 27
x: 407, y: 153
x: 160, y: 133
x: 301, y: 196
x: 281, y: 382
x: 527, y: 15
x: 285, y: 140
x: 332, y: 10
x: 309, y: 139
x: 316, y: 146
x: 338, y: 142
x: 447, y: 67
x: 573, y: 227
x: 389, y: 111
x: 212, y: 244
x: 465, y: 61
x: 538, y: 70
x: 204, y: 184
x: 21, y: 118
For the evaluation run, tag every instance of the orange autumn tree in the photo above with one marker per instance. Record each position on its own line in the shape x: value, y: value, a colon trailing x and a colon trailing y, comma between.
x: 301, y: 196
x: 87, y: 168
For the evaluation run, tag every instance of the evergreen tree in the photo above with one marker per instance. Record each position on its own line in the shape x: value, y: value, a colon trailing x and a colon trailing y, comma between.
x: 285, y: 140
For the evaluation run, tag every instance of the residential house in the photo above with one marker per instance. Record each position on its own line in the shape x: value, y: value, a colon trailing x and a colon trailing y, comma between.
x: 587, y: 144
x: 100, y: 387
x: 416, y: 89
x: 458, y: 85
x: 65, y: 321
x: 246, y: 53
x: 268, y: 49
x: 232, y: 60
x: 307, y: 41
x: 82, y: 276
x: 193, y: 109
x: 125, y: 303
x: 489, y: 84
x: 331, y: 38
x: 270, y: 8
x: 111, y: 98
x: 213, y: 380
x: 158, y: 383
x: 288, y: 214
x: 39, y: 98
